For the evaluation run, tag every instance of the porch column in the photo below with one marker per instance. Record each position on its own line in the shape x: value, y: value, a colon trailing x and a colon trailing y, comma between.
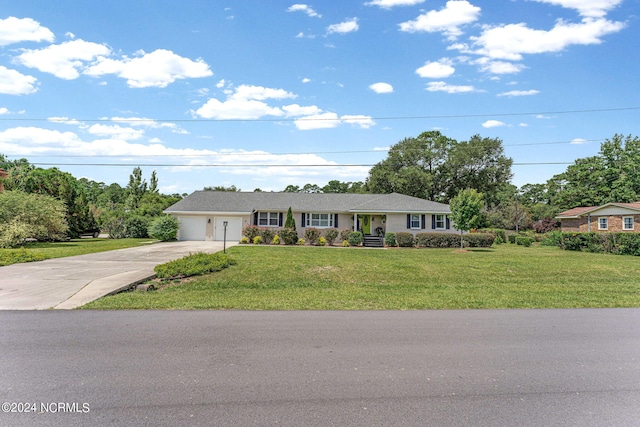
x: 355, y: 222
x: 588, y: 223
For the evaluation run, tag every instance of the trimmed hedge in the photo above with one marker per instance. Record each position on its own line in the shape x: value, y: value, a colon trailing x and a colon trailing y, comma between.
x: 478, y: 240
x: 499, y: 234
x: 437, y: 240
x: 613, y: 243
x: 355, y: 238
x: 289, y: 236
x: 193, y: 265
x: 390, y: 239
x: 405, y: 239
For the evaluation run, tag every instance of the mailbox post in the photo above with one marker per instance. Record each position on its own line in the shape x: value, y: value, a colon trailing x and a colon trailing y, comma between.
x: 224, y: 244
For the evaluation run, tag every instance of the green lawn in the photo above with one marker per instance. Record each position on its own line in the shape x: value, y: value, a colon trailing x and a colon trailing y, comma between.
x: 40, y: 250
x: 316, y: 278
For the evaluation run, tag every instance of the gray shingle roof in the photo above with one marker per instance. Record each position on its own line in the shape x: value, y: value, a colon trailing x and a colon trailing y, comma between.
x: 225, y: 201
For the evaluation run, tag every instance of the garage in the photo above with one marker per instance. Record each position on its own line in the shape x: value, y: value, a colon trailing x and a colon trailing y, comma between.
x: 234, y: 228
x: 192, y: 227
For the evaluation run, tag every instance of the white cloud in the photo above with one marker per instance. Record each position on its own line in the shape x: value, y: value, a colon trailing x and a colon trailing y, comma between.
x: 512, y: 93
x: 156, y: 69
x: 238, y: 109
x: 149, y: 123
x: 304, y: 8
x: 65, y: 59
x: 493, y: 124
x: 447, y: 20
x: 388, y: 4
x: 295, y: 110
x: 511, y: 41
x: 578, y: 141
x: 115, y: 131
x: 15, y: 30
x: 344, y: 27
x: 444, y: 87
x: 306, y: 80
x: 318, y: 121
x: 381, y: 87
x: 13, y: 82
x: 64, y: 120
x: 220, y: 84
x: 260, y: 93
x: 498, y: 67
x: 363, y: 122
x: 30, y: 140
x: 436, y: 69
x: 587, y: 8
x: 4, y: 110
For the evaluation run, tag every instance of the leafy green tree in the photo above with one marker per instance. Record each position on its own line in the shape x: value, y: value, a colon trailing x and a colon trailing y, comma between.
x: 466, y: 208
x: 292, y: 189
x: 231, y: 188
x: 35, y: 216
x: 164, y: 228
x: 435, y: 167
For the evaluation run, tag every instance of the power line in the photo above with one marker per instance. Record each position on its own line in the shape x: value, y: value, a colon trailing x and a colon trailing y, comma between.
x: 325, y: 119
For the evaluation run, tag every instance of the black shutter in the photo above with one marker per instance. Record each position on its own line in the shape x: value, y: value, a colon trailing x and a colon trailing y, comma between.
x: 280, y: 219
x: 255, y: 218
x: 335, y: 220
x: 423, y: 222
x: 303, y: 222
x: 433, y: 222
x: 448, y: 223
x: 408, y: 221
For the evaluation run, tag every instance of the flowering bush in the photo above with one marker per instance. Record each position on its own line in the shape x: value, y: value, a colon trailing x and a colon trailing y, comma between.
x: 301, y: 241
x: 244, y: 240
x: 322, y: 241
x: 276, y: 240
x: 257, y: 240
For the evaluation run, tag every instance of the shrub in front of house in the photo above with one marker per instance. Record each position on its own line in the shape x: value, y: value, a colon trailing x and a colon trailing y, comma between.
x: 499, y: 233
x: 312, y: 235
x: 524, y: 241
x: 192, y: 265
x: 344, y: 234
x: 164, y: 228
x: 478, y: 240
x: 251, y: 231
x: 613, y: 243
x: 267, y: 234
x: 244, y: 240
x: 257, y: 240
x: 355, y: 238
x: 511, y: 238
x: 405, y: 239
x: 289, y: 236
x: 301, y: 241
x: 276, y: 240
x: 322, y: 241
x: 330, y: 235
x: 390, y: 239
x: 437, y: 240
x: 345, y: 243
x: 552, y: 238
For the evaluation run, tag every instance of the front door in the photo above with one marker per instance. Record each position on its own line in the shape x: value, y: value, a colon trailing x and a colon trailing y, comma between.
x: 366, y: 224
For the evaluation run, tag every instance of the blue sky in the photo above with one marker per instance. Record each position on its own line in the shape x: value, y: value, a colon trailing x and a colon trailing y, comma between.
x: 262, y: 94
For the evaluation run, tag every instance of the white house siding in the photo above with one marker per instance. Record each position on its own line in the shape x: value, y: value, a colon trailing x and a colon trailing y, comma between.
x: 398, y: 223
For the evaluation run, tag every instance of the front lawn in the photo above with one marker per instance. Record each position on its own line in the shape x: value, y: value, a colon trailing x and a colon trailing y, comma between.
x: 316, y: 278
x: 43, y: 250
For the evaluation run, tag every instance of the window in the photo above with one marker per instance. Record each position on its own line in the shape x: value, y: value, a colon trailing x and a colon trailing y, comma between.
x: 627, y: 223
x: 440, y: 222
x: 319, y: 220
x: 415, y: 221
x: 603, y: 223
x: 268, y: 219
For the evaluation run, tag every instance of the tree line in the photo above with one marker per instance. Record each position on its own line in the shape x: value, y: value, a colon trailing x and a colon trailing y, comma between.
x: 430, y: 166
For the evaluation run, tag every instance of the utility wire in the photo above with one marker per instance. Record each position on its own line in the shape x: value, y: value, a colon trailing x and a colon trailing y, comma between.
x: 313, y: 119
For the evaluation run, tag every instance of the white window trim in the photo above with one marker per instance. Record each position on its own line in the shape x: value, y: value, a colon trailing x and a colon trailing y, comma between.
x: 309, y: 220
x: 600, y: 227
x: 632, y: 223
x: 444, y: 222
x: 269, y: 217
x: 419, y: 216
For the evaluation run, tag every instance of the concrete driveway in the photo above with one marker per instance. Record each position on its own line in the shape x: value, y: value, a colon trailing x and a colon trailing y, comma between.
x: 71, y: 282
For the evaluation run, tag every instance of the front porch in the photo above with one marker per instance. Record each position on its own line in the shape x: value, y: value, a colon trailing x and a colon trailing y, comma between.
x: 372, y: 226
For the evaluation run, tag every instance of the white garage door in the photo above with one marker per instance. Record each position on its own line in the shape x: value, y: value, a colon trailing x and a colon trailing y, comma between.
x: 234, y: 228
x: 192, y: 228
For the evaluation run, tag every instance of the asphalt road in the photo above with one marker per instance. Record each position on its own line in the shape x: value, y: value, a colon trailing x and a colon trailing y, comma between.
x: 435, y: 368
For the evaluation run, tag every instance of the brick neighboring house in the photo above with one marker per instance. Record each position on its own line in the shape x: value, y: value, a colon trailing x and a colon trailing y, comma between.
x: 610, y: 217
